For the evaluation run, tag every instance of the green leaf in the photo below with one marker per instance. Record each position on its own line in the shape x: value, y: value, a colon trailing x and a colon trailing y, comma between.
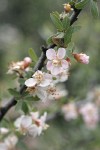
x: 81, y: 4
x: 94, y: 8
x: 18, y: 105
x: 31, y: 98
x: 21, y: 81
x: 56, y: 20
x: 33, y: 55
x: 68, y: 36
x: 49, y: 40
x: 71, y: 47
x: 60, y: 35
x: 66, y: 23
x: 14, y: 92
x: 25, y: 107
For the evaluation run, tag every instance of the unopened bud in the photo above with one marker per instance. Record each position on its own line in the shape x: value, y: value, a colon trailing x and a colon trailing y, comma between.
x: 82, y: 58
x: 27, y: 62
x: 67, y: 8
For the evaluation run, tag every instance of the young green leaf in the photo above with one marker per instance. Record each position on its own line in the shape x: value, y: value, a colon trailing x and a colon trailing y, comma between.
x: 14, y: 92
x: 25, y: 107
x: 33, y: 55
x: 49, y: 40
x: 18, y: 105
x: 66, y: 23
x: 81, y: 4
x: 56, y: 20
x: 94, y: 8
x: 68, y: 35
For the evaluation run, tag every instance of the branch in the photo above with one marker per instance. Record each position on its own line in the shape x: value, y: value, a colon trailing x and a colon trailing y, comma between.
x: 38, y: 66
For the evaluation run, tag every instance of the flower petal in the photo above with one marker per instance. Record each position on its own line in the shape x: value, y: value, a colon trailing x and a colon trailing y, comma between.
x: 49, y: 65
x: 30, y: 82
x: 51, y: 54
x: 48, y: 76
x: 35, y: 115
x: 45, y: 83
x: 17, y: 123
x: 65, y: 64
x: 56, y: 70
x: 61, y: 53
x: 41, y: 93
x: 26, y: 121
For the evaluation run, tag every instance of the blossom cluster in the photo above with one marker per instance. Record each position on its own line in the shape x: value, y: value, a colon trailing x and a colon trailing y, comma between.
x: 89, y: 112
x: 44, y: 85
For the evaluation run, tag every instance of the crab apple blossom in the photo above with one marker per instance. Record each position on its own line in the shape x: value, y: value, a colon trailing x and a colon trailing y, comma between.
x: 56, y: 63
x: 40, y: 79
x: 32, y: 124
x: 40, y: 92
x: 39, y: 124
x: 82, y: 58
x: 90, y: 114
x: 23, y: 123
x: 20, y: 66
x: 70, y: 111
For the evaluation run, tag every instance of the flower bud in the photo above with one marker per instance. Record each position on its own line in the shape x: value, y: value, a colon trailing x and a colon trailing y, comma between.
x: 27, y: 61
x: 67, y: 8
x: 82, y: 58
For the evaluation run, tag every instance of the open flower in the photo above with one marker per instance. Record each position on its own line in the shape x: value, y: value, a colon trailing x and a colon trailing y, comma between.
x: 38, y: 124
x: 23, y: 123
x: 56, y: 63
x: 82, y: 58
x: 20, y: 66
x: 31, y: 124
x: 40, y: 79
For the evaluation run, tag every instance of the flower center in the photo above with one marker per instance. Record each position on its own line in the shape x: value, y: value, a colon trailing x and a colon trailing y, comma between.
x: 51, y: 90
x: 39, y: 77
x: 31, y: 90
x: 56, y: 62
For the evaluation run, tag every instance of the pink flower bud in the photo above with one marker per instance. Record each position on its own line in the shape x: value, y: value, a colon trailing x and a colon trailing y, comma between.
x: 27, y: 62
x: 82, y: 58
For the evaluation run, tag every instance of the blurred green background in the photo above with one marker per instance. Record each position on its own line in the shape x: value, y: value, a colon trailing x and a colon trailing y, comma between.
x: 25, y: 24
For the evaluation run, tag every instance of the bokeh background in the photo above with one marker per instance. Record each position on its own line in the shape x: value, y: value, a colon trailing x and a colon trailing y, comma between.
x: 26, y: 24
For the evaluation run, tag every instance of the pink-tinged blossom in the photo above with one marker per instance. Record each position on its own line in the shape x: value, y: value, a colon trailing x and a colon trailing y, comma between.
x: 20, y: 66
x: 70, y: 111
x: 82, y: 58
x: 40, y: 79
x: 32, y: 124
x: 90, y: 114
x: 38, y: 83
x: 23, y: 123
x: 38, y: 124
x: 56, y: 63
